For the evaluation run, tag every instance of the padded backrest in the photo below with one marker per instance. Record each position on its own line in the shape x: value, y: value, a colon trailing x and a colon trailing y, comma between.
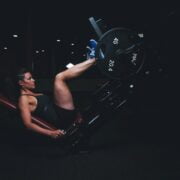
x: 13, y: 106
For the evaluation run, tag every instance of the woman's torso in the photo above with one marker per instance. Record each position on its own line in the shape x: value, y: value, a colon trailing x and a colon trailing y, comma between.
x: 41, y: 105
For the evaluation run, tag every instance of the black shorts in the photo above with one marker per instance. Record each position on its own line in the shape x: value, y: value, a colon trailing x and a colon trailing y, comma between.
x: 66, y: 117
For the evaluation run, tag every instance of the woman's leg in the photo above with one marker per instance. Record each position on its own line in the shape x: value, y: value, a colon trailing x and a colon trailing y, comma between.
x: 62, y: 94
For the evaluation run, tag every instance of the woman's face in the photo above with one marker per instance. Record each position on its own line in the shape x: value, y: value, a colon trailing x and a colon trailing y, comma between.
x: 28, y: 82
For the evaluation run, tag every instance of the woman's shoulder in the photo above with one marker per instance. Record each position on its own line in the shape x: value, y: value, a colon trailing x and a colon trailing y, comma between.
x: 22, y: 101
x: 25, y: 97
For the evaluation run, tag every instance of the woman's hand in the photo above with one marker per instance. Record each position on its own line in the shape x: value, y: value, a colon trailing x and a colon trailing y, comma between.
x: 57, y: 133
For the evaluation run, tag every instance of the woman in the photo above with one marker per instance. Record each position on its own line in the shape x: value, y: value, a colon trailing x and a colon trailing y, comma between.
x: 61, y: 111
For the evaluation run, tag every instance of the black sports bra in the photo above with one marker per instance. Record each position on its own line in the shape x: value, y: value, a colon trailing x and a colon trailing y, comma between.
x: 42, y: 103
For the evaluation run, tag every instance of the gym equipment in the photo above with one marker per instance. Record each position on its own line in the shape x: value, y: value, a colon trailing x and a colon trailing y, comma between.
x: 120, y: 52
x: 72, y: 134
x: 120, y: 55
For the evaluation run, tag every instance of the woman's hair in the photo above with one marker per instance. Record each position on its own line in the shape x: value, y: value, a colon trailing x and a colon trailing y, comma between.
x: 10, y: 86
x: 20, y: 74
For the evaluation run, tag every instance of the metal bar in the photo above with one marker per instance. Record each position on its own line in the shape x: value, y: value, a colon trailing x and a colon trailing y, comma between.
x: 96, y: 27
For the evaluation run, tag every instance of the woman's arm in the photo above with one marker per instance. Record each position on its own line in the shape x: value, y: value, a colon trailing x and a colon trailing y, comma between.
x: 26, y: 117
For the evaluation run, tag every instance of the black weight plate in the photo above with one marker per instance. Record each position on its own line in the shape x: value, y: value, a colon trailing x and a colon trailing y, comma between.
x: 123, y: 53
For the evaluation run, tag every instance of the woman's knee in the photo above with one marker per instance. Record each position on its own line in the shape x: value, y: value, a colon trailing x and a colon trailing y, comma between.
x: 60, y: 77
x: 59, y: 80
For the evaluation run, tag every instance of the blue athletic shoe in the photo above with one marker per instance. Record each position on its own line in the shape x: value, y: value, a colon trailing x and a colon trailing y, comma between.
x: 91, y: 48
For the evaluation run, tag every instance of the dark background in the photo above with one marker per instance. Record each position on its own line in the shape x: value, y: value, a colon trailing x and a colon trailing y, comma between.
x: 141, y: 139
x: 39, y: 24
